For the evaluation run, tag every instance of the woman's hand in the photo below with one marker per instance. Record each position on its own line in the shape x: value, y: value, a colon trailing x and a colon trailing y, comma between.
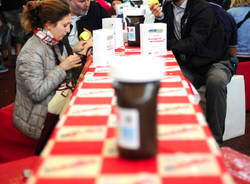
x: 70, y: 62
x: 80, y: 46
x: 156, y: 10
x: 86, y: 45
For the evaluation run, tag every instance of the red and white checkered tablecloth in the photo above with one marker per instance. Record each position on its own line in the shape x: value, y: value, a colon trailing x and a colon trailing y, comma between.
x: 83, y: 150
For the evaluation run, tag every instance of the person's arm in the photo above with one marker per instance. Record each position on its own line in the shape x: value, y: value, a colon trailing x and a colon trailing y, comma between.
x: 157, y: 11
x: 38, y: 84
x: 233, y: 38
x: 83, y: 46
x: 104, y: 13
x: 105, y: 5
x: 232, y: 51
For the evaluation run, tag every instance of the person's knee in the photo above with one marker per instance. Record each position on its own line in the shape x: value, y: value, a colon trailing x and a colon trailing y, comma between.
x: 216, y: 83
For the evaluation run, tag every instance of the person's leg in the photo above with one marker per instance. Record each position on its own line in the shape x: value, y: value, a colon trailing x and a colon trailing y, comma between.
x: 217, y: 79
x: 193, y: 77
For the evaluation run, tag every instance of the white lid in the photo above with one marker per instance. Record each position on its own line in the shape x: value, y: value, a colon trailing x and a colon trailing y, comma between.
x: 137, y: 68
x: 134, y: 11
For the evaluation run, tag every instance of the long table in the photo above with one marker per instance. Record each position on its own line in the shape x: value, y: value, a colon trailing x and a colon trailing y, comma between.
x: 82, y: 148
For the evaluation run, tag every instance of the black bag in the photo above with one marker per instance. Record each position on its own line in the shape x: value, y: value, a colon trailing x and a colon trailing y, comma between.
x: 241, y: 22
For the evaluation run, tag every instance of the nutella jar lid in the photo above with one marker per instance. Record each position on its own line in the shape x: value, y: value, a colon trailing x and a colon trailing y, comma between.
x: 135, y: 12
x: 137, y: 69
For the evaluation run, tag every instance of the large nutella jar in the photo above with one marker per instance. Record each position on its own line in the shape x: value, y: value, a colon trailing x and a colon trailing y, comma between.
x: 134, y: 17
x: 136, y: 80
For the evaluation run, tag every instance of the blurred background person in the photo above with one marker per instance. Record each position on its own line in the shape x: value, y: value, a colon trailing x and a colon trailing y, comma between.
x: 11, y: 11
x: 4, y: 43
x: 229, y: 26
x: 240, y: 10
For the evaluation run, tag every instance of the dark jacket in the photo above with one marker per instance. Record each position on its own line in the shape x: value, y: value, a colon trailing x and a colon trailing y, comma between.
x: 227, y: 22
x: 93, y: 19
x: 203, y: 40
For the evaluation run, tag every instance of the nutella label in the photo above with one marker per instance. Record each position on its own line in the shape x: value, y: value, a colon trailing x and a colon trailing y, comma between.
x: 131, y: 33
x: 128, y: 128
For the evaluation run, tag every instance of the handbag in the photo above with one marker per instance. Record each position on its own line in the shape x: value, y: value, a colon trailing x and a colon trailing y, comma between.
x: 61, y: 99
x: 242, y: 21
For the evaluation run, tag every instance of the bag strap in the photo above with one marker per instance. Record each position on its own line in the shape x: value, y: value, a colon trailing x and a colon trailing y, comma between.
x: 241, y: 22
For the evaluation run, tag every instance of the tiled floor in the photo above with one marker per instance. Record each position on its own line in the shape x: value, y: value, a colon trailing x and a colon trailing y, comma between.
x: 7, y: 96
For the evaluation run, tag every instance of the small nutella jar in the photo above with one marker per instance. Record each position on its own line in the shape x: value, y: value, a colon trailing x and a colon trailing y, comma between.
x: 136, y: 80
x: 134, y: 17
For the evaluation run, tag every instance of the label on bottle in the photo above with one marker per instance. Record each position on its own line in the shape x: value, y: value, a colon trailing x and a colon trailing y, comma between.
x: 131, y: 33
x: 128, y: 128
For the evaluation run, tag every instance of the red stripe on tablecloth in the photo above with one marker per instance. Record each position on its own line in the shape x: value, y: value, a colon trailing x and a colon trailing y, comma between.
x: 66, y: 180
x: 132, y: 53
x: 177, y: 119
x: 173, y: 99
x: 192, y: 180
x: 96, y: 85
x: 221, y: 162
x: 207, y: 131
x: 174, y: 146
x: 197, y: 108
x: 74, y: 147
x: 173, y: 73
x: 93, y: 100
x: 86, y: 120
x: 119, y: 165
x: 111, y: 132
x: 171, y: 63
x: 101, y: 74
x: 171, y: 84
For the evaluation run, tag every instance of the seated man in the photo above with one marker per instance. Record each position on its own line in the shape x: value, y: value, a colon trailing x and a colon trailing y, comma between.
x: 85, y: 14
x: 200, y: 47
x: 229, y: 26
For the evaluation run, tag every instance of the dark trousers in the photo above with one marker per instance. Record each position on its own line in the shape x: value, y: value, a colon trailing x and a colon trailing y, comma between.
x: 215, y: 80
x: 49, y: 125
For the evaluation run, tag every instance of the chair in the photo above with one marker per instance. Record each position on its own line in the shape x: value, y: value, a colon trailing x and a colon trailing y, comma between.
x: 13, y: 172
x: 244, y: 69
x: 235, y: 115
x: 13, y: 143
x: 237, y: 164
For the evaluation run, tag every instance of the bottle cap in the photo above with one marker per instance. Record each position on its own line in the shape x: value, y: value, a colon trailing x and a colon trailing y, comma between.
x: 137, y: 68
